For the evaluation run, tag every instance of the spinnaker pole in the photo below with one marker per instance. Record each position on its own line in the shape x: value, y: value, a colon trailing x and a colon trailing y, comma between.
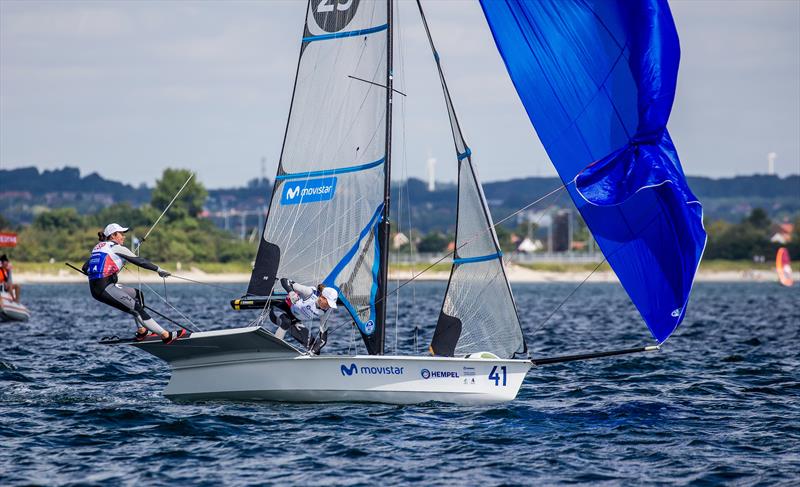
x: 384, y: 228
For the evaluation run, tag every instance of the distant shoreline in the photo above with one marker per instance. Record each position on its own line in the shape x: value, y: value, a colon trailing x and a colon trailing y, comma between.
x: 53, y: 274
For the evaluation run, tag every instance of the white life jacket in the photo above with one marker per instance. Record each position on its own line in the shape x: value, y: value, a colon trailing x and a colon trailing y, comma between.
x: 306, y: 309
x: 104, y: 262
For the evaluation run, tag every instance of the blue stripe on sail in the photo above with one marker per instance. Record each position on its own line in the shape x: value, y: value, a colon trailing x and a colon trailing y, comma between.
x: 465, y: 154
x: 480, y: 258
x: 329, y: 281
x: 352, y: 33
x: 331, y: 172
x: 376, y: 269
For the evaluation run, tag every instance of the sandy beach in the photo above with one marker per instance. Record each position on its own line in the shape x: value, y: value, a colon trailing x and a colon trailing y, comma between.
x: 516, y: 274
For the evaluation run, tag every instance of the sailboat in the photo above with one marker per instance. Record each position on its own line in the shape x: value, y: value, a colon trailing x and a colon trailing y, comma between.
x: 783, y: 266
x: 328, y: 222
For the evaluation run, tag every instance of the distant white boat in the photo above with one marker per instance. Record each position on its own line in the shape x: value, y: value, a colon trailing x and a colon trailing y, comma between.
x: 10, y: 310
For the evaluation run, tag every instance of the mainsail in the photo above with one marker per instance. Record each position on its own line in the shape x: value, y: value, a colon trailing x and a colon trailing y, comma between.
x: 328, y: 204
x: 478, y: 312
x: 597, y: 78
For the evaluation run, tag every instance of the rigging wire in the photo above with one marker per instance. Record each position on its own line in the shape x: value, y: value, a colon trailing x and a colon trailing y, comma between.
x: 475, y: 236
x: 224, y: 288
x: 605, y: 259
x: 472, y: 237
x: 563, y: 301
x: 164, y: 212
x: 197, y: 328
x: 404, y: 192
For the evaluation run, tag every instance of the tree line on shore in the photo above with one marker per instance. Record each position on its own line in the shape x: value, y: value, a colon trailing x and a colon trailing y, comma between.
x: 182, y: 236
x: 63, y: 234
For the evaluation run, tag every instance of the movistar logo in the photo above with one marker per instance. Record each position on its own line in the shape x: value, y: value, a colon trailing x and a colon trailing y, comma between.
x: 349, y: 370
x: 353, y: 369
x: 309, y: 191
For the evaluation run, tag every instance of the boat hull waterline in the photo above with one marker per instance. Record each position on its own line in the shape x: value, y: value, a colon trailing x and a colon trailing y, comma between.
x: 251, y: 364
x: 10, y: 310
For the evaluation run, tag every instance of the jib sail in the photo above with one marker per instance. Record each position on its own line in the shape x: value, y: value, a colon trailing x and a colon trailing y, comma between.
x: 478, y: 312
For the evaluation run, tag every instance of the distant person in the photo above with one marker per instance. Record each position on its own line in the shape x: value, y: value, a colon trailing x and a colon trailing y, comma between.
x: 6, y: 279
x: 304, y: 304
x: 108, y: 258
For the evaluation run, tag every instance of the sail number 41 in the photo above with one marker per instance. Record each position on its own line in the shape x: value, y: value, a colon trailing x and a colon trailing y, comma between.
x: 493, y: 375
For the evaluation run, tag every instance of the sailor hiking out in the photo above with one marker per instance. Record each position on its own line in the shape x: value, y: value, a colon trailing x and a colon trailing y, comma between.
x: 304, y: 304
x: 108, y: 258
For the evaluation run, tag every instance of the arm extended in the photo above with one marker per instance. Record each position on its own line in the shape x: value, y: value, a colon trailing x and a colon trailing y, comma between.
x: 134, y: 259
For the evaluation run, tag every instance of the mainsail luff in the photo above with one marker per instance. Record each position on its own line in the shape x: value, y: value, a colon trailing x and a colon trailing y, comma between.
x: 385, y: 226
x: 466, y: 325
x: 324, y: 224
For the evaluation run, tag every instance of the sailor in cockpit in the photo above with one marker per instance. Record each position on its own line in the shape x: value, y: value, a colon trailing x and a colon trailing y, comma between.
x: 304, y: 304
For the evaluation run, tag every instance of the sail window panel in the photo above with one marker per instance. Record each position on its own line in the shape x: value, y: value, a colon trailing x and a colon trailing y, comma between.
x: 313, y: 236
x: 479, y: 296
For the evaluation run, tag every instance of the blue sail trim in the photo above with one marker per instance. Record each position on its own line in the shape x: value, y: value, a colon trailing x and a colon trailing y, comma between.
x: 352, y: 33
x: 331, y: 172
x: 480, y: 258
x: 329, y: 281
x: 597, y: 80
x: 465, y: 154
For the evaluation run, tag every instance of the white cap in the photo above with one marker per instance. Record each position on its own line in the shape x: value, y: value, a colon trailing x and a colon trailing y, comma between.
x: 113, y: 228
x: 331, y: 296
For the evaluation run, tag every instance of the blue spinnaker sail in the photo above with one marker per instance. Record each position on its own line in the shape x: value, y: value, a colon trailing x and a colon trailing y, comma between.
x: 597, y: 78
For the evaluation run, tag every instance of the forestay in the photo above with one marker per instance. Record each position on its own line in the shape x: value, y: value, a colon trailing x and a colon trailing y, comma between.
x: 328, y: 198
x: 598, y: 78
x: 478, y: 312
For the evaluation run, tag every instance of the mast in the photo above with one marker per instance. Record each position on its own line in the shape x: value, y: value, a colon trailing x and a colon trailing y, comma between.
x: 385, y: 227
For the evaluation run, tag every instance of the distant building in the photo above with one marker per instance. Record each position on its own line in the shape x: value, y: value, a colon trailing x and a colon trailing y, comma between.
x: 781, y: 233
x: 399, y: 240
x: 528, y: 246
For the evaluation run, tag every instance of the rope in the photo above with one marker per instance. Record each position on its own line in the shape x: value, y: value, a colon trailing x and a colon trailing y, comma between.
x: 197, y: 328
x: 547, y: 318
x: 452, y: 252
x: 163, y: 213
x: 225, y: 288
x: 605, y: 259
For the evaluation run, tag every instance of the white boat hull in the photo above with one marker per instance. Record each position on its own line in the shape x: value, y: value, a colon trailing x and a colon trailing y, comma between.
x: 10, y: 310
x: 275, y: 371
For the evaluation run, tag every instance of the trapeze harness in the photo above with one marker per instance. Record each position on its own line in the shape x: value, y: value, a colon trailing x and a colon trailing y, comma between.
x: 300, y: 305
x: 107, y: 259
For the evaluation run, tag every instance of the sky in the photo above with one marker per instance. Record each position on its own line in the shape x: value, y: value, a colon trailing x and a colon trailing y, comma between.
x: 128, y: 88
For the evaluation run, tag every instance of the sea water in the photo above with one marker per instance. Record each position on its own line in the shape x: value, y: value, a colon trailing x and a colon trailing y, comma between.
x: 719, y: 404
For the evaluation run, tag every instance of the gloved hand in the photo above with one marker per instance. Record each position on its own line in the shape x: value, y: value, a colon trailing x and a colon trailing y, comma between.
x: 163, y: 273
x: 287, y: 284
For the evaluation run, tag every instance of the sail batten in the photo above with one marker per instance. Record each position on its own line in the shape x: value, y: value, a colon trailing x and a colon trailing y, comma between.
x: 331, y: 172
x: 338, y: 35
